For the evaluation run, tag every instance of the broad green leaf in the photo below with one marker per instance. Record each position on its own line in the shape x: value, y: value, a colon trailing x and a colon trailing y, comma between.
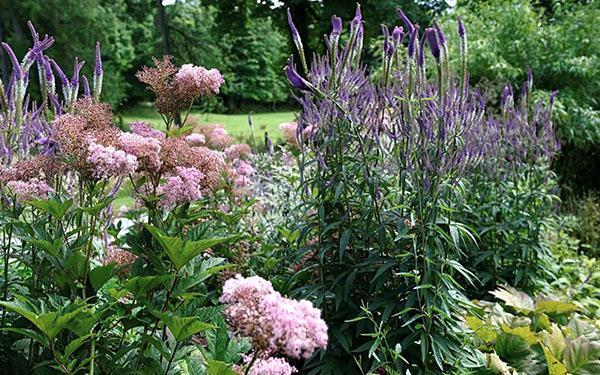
x: 514, y: 350
x: 524, y: 332
x: 555, y: 307
x: 218, y: 368
x: 582, y: 357
x: 555, y: 367
x: 483, y: 331
x: 75, y: 344
x: 181, y: 252
x: 100, y: 275
x: 51, y: 248
x: 28, y: 333
x: 554, y: 341
x: 139, y: 285
x: 512, y: 297
x: 497, y: 366
x: 54, y: 207
x: 183, y: 327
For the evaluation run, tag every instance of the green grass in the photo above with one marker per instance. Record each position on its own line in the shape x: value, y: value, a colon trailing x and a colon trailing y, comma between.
x: 236, y: 125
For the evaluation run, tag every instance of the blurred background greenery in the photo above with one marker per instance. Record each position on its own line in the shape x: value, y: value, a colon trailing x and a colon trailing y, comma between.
x: 248, y: 41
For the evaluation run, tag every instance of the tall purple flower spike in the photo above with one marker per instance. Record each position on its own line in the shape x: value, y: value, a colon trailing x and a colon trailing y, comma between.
x: 39, y: 46
x: 440, y: 33
x: 409, y: 25
x: 18, y: 73
x: 293, y: 29
x: 412, y: 42
x: 462, y: 32
x: 98, y: 67
x: 76, y: 70
x: 432, y: 40
x: 357, y: 20
x: 336, y: 27
x: 61, y: 75
x: 86, y: 86
x: 397, y: 35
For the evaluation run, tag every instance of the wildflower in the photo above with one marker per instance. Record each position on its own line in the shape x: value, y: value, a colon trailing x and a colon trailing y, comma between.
x: 289, y: 130
x: 120, y: 257
x: 146, y: 149
x: 145, y: 130
x: 182, y: 187
x: 432, y: 40
x: 268, y: 366
x: 196, y: 139
x: 237, y: 151
x: 30, y: 189
x: 219, y: 138
x: 274, y: 323
x: 108, y: 161
x: 193, y: 81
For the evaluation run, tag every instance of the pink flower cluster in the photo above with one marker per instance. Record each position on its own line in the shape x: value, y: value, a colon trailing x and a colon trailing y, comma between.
x: 289, y: 130
x: 182, y: 187
x: 195, y: 81
x: 269, y: 366
x: 145, y: 130
x: 30, y: 189
x: 120, y: 257
x: 273, y: 322
x: 195, y: 140
x: 237, y: 151
x: 109, y: 162
x: 219, y: 138
x: 243, y: 171
x: 146, y: 149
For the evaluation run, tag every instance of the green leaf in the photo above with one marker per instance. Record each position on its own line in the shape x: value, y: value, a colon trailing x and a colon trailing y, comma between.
x: 139, y: 285
x: 344, y: 239
x: 54, y: 207
x: 218, y: 368
x: 183, y: 327
x: 555, y: 367
x: 524, y: 332
x: 75, y: 344
x: 51, y: 248
x: 512, y: 297
x: 515, y: 351
x: 29, y: 333
x: 483, y: 331
x: 100, y: 275
x: 554, y: 341
x: 181, y: 252
x: 555, y: 307
x: 582, y: 357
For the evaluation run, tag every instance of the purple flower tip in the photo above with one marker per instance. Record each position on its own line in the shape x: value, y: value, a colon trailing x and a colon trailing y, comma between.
x: 293, y: 29
x: 440, y: 33
x: 98, y: 67
x: 293, y: 77
x: 76, y: 69
x: 412, y: 42
x: 397, y: 34
x: 432, y: 40
x: 462, y: 32
x: 357, y: 21
x: 14, y: 60
x: 409, y: 25
x: 61, y: 75
x: 86, y: 87
x: 336, y: 25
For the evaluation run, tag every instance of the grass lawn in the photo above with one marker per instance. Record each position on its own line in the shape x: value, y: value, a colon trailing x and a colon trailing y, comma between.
x: 236, y: 125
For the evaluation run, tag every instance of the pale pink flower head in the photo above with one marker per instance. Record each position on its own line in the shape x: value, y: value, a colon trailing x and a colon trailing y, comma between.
x: 237, y: 151
x: 145, y: 130
x: 239, y: 288
x: 268, y: 366
x: 307, y: 132
x: 120, y: 257
x: 244, y: 169
x: 109, y: 162
x: 146, y: 149
x: 28, y: 190
x: 219, y: 138
x: 289, y: 130
x: 195, y: 81
x: 288, y: 159
x: 196, y: 139
x: 185, y: 186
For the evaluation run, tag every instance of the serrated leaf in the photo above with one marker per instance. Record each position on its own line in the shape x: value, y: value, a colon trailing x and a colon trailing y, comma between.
x: 100, y: 275
x: 139, y: 285
x: 218, y: 368
x: 483, y: 331
x: 555, y: 367
x: 524, y: 332
x: 514, y: 350
x: 54, y: 207
x: 555, y: 307
x: 582, y: 357
x: 182, y: 327
x: 512, y: 297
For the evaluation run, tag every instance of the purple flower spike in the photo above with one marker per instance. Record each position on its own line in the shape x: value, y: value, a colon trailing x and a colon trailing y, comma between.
x: 293, y: 77
x: 409, y: 25
x: 86, y: 87
x: 421, y: 58
x: 412, y: 42
x: 336, y: 26
x: 440, y: 33
x: 357, y: 21
x: 13, y: 58
x: 48, y: 69
x: 432, y: 40
x: 76, y: 69
x: 61, y: 75
x: 397, y: 35
x: 98, y: 68
x: 293, y: 29
x: 462, y: 32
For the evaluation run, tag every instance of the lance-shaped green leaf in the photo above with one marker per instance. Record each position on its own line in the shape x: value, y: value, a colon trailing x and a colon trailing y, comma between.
x: 182, y: 327
x: 100, y: 275
x: 180, y: 251
x: 54, y: 207
x: 139, y: 285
